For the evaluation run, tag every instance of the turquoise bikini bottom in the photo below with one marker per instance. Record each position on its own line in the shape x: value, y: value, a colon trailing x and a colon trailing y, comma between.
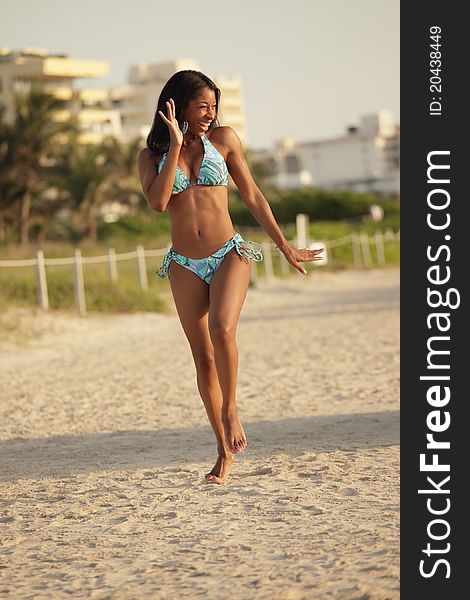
x: 206, y: 267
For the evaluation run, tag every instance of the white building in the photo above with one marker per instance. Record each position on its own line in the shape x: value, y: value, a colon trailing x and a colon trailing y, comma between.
x: 137, y: 100
x: 365, y: 159
x: 123, y: 111
x: 57, y: 74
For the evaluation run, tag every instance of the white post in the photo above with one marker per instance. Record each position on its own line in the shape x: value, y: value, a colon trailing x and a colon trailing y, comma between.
x: 254, y: 272
x: 302, y: 224
x: 379, y: 247
x: 142, y: 268
x: 284, y: 263
x: 356, y: 251
x: 78, y: 283
x: 41, y: 280
x: 112, y: 265
x: 365, y: 249
x: 389, y: 235
x: 329, y: 253
x: 268, y: 260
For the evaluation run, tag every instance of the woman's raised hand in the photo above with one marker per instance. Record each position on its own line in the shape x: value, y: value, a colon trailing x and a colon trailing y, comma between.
x: 176, y: 135
x: 296, y: 256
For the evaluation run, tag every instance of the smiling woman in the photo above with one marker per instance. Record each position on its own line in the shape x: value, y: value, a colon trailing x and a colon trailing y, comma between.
x: 184, y: 170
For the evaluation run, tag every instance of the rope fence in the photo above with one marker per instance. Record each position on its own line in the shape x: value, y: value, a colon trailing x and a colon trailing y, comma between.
x: 360, y: 243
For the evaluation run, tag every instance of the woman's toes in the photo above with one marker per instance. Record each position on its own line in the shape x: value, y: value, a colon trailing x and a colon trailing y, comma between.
x: 215, y: 479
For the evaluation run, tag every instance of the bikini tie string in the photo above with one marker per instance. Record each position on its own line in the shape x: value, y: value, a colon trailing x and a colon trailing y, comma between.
x: 163, y: 270
x: 245, y: 250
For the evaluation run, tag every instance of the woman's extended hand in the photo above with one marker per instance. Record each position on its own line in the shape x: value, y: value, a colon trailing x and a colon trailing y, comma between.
x: 295, y: 256
x: 176, y: 135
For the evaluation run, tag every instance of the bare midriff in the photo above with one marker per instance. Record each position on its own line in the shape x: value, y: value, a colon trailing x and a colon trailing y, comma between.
x: 200, y: 220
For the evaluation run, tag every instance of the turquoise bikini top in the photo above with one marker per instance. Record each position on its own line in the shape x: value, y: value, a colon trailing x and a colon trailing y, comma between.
x: 213, y: 169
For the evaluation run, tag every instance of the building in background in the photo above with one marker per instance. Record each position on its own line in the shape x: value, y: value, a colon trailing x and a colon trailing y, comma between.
x: 137, y: 99
x: 57, y: 74
x: 365, y: 159
x: 232, y: 108
x: 124, y: 111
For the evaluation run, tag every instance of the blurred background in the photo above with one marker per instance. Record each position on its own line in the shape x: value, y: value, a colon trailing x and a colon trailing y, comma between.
x: 311, y: 88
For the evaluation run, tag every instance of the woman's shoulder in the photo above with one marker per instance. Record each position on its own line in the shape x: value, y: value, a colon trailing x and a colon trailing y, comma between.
x: 222, y: 133
x: 146, y: 155
x: 149, y: 153
x: 225, y: 136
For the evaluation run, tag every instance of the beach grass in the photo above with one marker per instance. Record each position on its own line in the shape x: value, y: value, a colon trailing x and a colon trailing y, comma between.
x: 18, y: 285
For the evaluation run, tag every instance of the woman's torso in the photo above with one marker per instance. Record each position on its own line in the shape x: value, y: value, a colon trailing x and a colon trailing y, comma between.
x: 199, y: 216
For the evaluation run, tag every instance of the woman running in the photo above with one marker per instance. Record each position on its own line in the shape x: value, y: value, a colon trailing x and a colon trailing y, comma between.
x: 184, y: 170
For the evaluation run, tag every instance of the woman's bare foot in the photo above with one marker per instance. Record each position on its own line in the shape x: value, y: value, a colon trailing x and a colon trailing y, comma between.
x: 222, y: 468
x: 234, y: 433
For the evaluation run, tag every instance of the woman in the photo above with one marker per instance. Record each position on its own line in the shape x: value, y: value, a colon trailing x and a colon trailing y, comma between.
x: 184, y: 170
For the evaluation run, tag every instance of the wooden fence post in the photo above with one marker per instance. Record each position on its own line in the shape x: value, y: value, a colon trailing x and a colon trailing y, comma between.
x: 302, y: 225
x: 356, y: 251
x: 78, y: 283
x: 41, y: 281
x: 284, y: 263
x: 365, y: 249
x: 142, y: 268
x: 379, y: 247
x: 112, y: 265
x: 268, y: 261
x: 254, y: 272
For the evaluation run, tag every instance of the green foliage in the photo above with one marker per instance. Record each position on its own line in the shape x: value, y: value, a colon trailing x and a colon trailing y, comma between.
x: 17, y: 288
x: 102, y: 295
x: 145, y: 226
x: 319, y: 205
x: 332, y: 230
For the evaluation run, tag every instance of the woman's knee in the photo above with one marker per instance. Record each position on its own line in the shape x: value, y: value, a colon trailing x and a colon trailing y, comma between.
x: 204, y: 360
x: 222, y: 333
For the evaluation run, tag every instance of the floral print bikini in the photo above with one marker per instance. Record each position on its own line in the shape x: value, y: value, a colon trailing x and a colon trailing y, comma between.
x: 213, y: 171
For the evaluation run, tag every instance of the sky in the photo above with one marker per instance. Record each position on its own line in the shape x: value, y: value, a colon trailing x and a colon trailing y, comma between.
x: 309, y: 68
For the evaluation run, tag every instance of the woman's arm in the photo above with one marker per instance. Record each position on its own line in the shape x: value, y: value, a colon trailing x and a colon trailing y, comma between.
x: 157, y: 187
x: 257, y: 203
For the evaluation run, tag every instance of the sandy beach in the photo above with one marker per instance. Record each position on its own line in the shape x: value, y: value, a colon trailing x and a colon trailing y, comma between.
x: 104, y: 443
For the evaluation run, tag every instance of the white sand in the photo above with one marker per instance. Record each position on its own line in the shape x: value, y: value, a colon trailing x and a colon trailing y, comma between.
x: 105, y: 442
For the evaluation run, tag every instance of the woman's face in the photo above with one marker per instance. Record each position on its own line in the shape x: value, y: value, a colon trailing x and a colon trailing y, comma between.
x: 201, y: 112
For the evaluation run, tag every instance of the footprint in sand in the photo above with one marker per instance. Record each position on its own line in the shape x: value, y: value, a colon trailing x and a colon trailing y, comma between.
x: 314, y: 473
x: 149, y: 475
x: 349, y: 491
x: 119, y: 520
x: 7, y: 519
x: 314, y: 510
x: 261, y: 471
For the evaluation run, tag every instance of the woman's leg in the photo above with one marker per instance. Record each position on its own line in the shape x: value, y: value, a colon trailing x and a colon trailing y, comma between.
x: 191, y: 296
x: 227, y: 294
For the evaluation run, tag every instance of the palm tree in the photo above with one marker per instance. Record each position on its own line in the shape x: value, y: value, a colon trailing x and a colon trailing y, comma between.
x: 124, y: 182
x: 26, y: 147
x: 9, y: 189
x: 85, y: 179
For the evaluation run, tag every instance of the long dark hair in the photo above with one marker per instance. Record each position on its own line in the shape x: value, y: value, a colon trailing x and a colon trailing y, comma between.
x: 182, y: 86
